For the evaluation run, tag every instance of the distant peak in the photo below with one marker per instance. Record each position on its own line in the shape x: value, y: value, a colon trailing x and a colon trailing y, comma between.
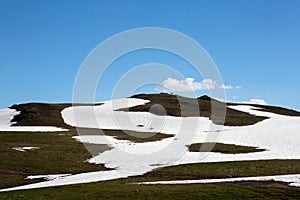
x: 204, y: 97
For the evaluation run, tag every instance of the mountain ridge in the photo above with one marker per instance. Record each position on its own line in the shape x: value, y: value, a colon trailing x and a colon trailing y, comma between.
x: 44, y: 114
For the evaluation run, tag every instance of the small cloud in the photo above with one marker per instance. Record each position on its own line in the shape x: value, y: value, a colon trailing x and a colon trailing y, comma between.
x: 190, y: 85
x: 238, y: 87
x: 256, y: 101
x: 225, y: 87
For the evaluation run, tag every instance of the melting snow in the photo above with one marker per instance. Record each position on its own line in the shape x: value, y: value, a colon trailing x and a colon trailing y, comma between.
x: 291, y: 179
x: 48, y: 177
x: 7, y: 114
x: 23, y: 149
x: 278, y: 134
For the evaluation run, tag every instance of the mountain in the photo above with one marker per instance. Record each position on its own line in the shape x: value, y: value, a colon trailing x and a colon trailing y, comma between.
x: 151, y: 139
x: 43, y: 114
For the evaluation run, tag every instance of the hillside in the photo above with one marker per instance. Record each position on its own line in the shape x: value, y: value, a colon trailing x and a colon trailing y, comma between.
x: 42, y: 114
x: 137, y: 143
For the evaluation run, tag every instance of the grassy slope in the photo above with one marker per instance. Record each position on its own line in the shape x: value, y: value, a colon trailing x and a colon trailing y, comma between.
x: 56, y: 155
x: 137, y: 137
x: 40, y: 114
x: 225, y: 170
x: 14, y: 169
x: 120, y: 189
x: 222, y: 148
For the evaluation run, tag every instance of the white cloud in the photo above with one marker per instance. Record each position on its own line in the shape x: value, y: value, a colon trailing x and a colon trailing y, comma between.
x: 225, y: 87
x: 207, y: 84
x: 190, y: 85
x: 238, y: 87
x: 256, y: 101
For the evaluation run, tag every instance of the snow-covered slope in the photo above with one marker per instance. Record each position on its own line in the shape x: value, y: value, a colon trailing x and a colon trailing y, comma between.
x: 279, y: 135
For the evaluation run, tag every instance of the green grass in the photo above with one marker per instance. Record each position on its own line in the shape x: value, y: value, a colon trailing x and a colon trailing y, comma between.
x: 135, y: 136
x: 56, y: 155
x: 224, y: 170
x: 118, y: 189
x: 222, y: 148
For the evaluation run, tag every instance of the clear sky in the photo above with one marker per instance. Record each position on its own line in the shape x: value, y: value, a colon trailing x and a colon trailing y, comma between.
x: 255, y: 44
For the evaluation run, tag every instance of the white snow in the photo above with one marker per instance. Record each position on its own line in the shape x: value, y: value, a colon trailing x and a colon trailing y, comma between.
x: 99, y: 139
x: 105, y: 117
x: 7, y: 114
x: 48, y: 177
x: 255, y: 101
x: 23, y: 149
x: 279, y: 135
x: 32, y: 129
x: 291, y: 179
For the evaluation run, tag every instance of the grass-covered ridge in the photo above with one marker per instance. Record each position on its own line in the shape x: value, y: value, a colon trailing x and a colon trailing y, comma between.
x: 223, y: 148
x: 40, y: 114
x: 180, y: 106
x: 43, y: 114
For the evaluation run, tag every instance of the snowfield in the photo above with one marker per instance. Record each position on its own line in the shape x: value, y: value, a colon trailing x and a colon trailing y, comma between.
x: 7, y: 114
x: 279, y: 135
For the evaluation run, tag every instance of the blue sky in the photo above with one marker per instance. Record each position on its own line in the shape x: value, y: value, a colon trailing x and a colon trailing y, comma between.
x: 255, y: 44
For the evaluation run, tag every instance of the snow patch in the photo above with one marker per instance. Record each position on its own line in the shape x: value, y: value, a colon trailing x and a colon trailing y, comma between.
x: 256, y: 101
x: 6, y: 115
x: 48, y: 177
x: 292, y: 180
x: 23, y: 149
